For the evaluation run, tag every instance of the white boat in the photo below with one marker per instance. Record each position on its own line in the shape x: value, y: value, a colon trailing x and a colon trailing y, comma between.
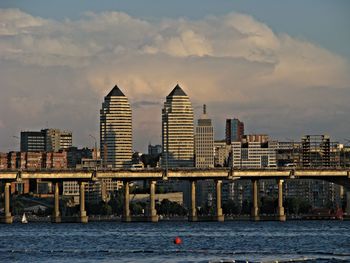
x: 24, y: 219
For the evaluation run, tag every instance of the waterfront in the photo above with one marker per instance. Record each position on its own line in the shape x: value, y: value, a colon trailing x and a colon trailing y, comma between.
x: 318, y: 241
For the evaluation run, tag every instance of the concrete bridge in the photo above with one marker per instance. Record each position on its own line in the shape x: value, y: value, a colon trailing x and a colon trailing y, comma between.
x: 335, y: 175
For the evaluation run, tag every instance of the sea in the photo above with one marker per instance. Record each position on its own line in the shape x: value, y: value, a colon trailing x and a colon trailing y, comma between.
x: 236, y: 241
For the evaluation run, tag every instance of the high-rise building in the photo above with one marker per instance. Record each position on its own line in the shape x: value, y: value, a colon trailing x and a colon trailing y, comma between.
x: 49, y: 140
x: 56, y: 140
x: 177, y: 130
x: 32, y: 141
x: 116, y: 130
x: 234, y: 130
x: 319, y: 151
x: 204, y: 142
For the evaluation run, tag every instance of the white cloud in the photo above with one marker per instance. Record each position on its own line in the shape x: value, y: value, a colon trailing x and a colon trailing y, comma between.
x: 237, y: 65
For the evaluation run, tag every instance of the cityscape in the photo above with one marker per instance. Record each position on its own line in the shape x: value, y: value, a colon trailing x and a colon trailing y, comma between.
x: 222, y: 136
x: 184, y: 145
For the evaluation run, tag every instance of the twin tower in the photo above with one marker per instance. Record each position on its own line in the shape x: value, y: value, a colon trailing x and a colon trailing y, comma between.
x: 177, y: 130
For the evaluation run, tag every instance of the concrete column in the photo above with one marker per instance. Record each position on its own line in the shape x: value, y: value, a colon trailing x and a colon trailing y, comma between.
x: 347, y: 208
x: 153, y: 217
x: 8, y: 218
x: 83, y: 216
x: 126, y: 208
x: 219, y: 215
x: 281, y: 215
x: 193, y: 213
x: 255, y: 209
x: 56, y: 217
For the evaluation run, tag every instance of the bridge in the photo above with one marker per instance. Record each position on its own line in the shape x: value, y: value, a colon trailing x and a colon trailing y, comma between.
x: 336, y: 175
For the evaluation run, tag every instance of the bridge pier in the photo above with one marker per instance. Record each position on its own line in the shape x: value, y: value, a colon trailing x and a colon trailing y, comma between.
x: 281, y: 214
x: 126, y: 209
x: 7, y: 218
x: 83, y: 217
x: 56, y: 217
x: 255, y: 207
x: 347, y: 208
x: 219, y: 215
x: 193, y: 213
x: 153, y: 217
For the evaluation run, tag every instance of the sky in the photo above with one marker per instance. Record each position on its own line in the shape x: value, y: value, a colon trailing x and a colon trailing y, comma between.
x: 281, y: 67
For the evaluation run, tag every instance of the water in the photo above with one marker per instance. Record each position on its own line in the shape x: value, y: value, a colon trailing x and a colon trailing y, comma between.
x: 307, y: 241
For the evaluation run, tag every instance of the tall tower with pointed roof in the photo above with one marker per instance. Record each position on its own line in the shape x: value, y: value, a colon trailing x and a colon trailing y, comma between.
x: 116, y: 130
x: 177, y: 130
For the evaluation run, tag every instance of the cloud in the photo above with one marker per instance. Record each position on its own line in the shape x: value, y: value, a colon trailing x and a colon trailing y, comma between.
x: 59, y: 71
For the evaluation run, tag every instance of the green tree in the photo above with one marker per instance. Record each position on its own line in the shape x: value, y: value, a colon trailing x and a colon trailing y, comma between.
x: 230, y: 207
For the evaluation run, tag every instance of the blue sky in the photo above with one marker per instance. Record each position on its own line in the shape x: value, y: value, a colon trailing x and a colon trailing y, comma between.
x: 282, y: 67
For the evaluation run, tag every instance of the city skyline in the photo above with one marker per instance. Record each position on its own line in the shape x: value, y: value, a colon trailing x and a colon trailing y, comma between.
x: 276, y: 77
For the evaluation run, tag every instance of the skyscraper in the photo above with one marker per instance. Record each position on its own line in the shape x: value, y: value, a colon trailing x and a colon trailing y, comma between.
x: 234, y: 130
x: 177, y: 130
x: 204, y: 155
x: 204, y: 142
x: 116, y: 130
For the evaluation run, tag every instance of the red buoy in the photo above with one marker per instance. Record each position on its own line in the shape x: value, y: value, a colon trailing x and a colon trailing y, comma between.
x: 177, y: 241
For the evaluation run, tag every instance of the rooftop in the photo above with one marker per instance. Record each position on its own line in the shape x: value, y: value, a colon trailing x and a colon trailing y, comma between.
x: 116, y: 92
x: 177, y: 91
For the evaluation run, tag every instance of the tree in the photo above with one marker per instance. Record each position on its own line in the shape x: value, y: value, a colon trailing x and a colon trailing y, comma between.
x: 246, y: 207
x: 105, y: 209
x: 230, y: 207
x: 268, y: 205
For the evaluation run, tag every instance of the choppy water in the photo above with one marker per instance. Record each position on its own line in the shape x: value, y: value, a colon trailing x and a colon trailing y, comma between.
x: 311, y: 241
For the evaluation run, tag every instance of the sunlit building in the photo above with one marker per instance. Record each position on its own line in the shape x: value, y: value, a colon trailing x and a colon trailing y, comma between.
x: 116, y: 130
x: 177, y: 130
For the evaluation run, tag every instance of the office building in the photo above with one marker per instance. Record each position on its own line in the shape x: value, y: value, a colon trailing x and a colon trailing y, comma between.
x: 255, y: 138
x: 177, y: 130
x: 254, y: 154
x: 116, y: 130
x: 56, y: 140
x: 46, y: 140
x: 319, y: 151
x: 32, y: 141
x: 234, y: 130
x: 204, y: 142
x: 221, y: 153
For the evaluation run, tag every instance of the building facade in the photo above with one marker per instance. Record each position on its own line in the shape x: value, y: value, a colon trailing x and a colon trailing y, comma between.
x: 254, y: 154
x: 204, y: 142
x: 319, y: 151
x: 221, y: 153
x: 116, y: 130
x: 32, y: 141
x: 177, y: 130
x: 234, y: 130
x: 46, y: 140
